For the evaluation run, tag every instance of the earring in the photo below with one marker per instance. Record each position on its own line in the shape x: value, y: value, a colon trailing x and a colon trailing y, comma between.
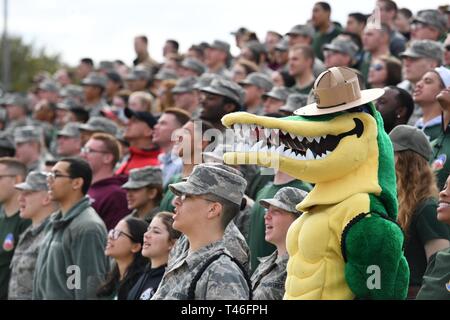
x: 398, y: 116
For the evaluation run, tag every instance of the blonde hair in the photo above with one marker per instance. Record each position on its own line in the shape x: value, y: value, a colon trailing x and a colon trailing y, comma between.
x: 415, y: 183
x: 144, y: 98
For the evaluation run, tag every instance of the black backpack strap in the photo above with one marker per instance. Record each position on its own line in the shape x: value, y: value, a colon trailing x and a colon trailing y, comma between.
x: 193, y: 286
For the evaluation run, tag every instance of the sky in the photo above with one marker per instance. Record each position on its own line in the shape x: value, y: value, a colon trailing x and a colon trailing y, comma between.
x: 104, y: 29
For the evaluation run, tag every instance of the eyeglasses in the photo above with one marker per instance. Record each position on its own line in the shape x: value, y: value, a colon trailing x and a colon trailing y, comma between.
x: 377, y: 67
x: 53, y: 175
x: 115, y: 234
x: 90, y: 150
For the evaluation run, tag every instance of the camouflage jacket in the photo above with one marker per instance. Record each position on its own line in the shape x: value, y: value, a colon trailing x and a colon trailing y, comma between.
x: 24, y: 262
x: 221, y: 280
x: 269, y: 278
x: 233, y: 241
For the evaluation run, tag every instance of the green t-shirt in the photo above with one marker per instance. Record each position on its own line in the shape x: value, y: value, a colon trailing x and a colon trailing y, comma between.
x: 259, y: 247
x: 320, y: 39
x: 433, y: 131
x: 166, y: 202
x: 440, y: 162
x: 436, y: 281
x: 423, y: 228
x: 10, y: 230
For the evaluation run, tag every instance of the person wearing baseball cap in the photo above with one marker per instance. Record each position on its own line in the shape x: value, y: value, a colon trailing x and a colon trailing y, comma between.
x: 217, y: 57
x: 139, y: 132
x: 204, y: 206
x: 428, y: 24
x: 94, y: 85
x: 340, y: 53
x: 418, y: 58
x: 417, y: 215
x: 279, y: 216
x: 144, y: 192
x: 69, y: 140
x: 222, y: 96
x: 255, y: 85
x: 274, y: 99
x: 35, y: 205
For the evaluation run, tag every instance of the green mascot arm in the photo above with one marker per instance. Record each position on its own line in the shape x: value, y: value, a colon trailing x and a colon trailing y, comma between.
x: 375, y: 267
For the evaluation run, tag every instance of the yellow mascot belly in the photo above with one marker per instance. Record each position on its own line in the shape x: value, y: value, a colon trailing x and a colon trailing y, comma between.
x: 316, y: 267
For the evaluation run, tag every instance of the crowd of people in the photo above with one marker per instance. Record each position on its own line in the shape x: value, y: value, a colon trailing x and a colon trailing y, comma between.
x: 112, y: 181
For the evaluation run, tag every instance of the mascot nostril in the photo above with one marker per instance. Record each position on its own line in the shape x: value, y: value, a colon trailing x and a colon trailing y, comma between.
x: 346, y: 244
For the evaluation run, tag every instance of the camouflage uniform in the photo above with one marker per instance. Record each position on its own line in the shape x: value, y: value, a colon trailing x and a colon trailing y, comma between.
x: 25, y: 256
x: 222, y: 279
x: 269, y: 278
x: 24, y: 261
x: 233, y: 241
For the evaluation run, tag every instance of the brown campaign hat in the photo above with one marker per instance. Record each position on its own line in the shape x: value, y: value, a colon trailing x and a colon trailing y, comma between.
x: 337, y: 89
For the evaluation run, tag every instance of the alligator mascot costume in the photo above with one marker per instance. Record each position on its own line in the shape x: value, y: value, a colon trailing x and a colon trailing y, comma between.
x: 346, y: 244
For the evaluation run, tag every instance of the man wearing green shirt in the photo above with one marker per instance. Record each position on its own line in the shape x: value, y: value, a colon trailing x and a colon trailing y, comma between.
x: 12, y: 172
x: 71, y: 263
x: 259, y: 247
x: 326, y: 30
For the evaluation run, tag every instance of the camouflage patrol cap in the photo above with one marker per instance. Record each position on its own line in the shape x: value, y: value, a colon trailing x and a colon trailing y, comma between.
x: 259, y: 80
x: 424, y: 49
x: 166, y: 74
x: 295, y: 101
x: 433, y: 18
x: 286, y: 199
x: 220, y: 45
x: 225, y: 88
x: 15, y: 99
x: 194, y: 64
x: 301, y: 30
x: 279, y: 93
x: 70, y: 130
x: 138, y: 73
x: 99, y: 124
x: 343, y: 46
x: 71, y: 91
x: 256, y: 47
x: 217, y: 179
x: 106, y: 65
x: 240, y: 31
x: 67, y: 104
x: 282, y: 45
x: 185, y: 85
x: 94, y: 79
x: 143, y: 177
x: 205, y: 80
x: 35, y: 181
x: 27, y: 134
x: 49, y: 85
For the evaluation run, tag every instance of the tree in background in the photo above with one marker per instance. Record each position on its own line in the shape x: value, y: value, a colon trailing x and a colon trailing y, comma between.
x: 27, y: 61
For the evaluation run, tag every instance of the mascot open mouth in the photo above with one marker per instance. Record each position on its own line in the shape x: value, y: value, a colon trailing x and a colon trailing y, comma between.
x: 256, y: 138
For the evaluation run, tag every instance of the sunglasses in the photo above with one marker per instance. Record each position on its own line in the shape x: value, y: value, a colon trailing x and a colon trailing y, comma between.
x: 377, y: 67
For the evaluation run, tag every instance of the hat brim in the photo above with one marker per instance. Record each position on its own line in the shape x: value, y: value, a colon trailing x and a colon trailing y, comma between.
x: 366, y: 96
x: 134, y: 185
x: 183, y: 187
x: 273, y: 96
x: 25, y: 187
x: 86, y: 127
x: 332, y: 48
x: 66, y: 134
x: 411, y: 54
x: 181, y: 90
x: 276, y: 203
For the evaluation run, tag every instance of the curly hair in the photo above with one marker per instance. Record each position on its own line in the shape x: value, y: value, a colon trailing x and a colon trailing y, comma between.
x: 415, y: 183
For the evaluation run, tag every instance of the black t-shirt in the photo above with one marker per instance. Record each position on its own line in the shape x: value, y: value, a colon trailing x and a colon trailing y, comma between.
x: 146, y: 286
x: 423, y: 228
